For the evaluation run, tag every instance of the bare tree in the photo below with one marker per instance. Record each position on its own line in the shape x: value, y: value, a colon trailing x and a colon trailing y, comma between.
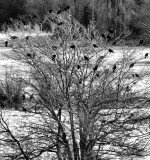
x: 87, y: 105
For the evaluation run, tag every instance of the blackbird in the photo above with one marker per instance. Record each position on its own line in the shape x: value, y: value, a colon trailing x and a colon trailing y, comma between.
x: 6, y: 43
x: 59, y: 12
x: 24, y: 109
x: 131, y: 65
x: 95, y: 68
x: 53, y: 57
x: 95, y: 46
x: 86, y: 58
x: 23, y: 97
x: 13, y: 37
x: 66, y: 8
x: 146, y: 55
x: 29, y: 55
x: 103, y: 35
x: 114, y: 68
x: 110, y: 50
x: 72, y: 46
x: 136, y: 75
x: 141, y: 42
x: 50, y: 11
x: 78, y: 66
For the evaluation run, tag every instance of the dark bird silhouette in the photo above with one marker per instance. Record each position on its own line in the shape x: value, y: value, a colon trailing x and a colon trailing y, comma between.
x: 13, y: 37
x: 108, y: 38
x: 72, y: 46
x: 86, y: 58
x: 146, y: 55
x: 31, y: 97
x: 92, y: 35
x: 53, y: 57
x: 60, y: 23
x: 131, y: 65
x: 59, y: 12
x: 54, y: 48
x: 78, y: 66
x: 114, y: 68
x: 80, y: 81
x: 23, y: 97
x: 133, y: 75
x: 114, y: 43
x: 29, y: 55
x: 24, y: 109
x: 97, y: 74
x: 111, y: 31
x: 141, y: 42
x: 127, y: 88
x: 103, y: 35
x: 95, y: 68
x: 50, y: 11
x: 27, y: 37
x: 66, y: 8
x: 95, y: 46
x: 136, y: 75
x: 110, y: 50
x: 6, y: 43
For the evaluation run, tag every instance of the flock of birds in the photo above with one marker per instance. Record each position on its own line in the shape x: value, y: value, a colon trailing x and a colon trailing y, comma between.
x: 106, y: 37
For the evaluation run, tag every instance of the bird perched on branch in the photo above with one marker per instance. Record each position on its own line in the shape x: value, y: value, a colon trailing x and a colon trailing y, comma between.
x: 50, y: 11
x: 53, y: 57
x: 66, y: 8
x: 103, y: 35
x: 110, y: 50
x: 27, y: 37
x: 78, y: 66
x: 146, y: 55
x: 72, y: 46
x: 59, y: 12
x: 114, y: 68
x: 141, y: 42
x: 95, y: 68
x: 111, y: 31
x: 108, y: 38
x: 131, y: 65
x: 136, y: 75
x: 86, y: 58
x: 23, y: 97
x: 95, y: 46
x: 6, y: 43
x: 29, y: 55
x: 24, y: 109
x: 60, y: 23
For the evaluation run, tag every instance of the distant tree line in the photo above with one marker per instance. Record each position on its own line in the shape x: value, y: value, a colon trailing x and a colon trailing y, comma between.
x: 120, y: 15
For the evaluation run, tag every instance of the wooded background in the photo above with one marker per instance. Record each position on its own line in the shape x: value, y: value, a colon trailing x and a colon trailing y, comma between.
x: 119, y: 15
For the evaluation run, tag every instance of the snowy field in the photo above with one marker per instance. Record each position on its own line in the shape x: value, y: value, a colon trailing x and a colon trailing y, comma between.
x: 15, y: 117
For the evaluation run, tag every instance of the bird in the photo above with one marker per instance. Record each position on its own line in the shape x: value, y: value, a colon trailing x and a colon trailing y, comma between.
x: 146, y: 55
x: 53, y: 57
x: 24, y: 109
x: 103, y: 35
x: 80, y: 81
x: 66, y: 8
x: 13, y: 37
x: 133, y: 75
x: 114, y: 68
x: 23, y: 97
x: 31, y: 97
x: 92, y: 36
x: 114, y: 43
x: 141, y: 42
x: 136, y: 75
x: 59, y: 12
x: 95, y: 46
x: 86, y: 58
x: 60, y: 23
x: 72, y: 46
x: 127, y: 88
x: 29, y: 55
x: 110, y: 50
x: 6, y: 43
x: 131, y: 65
x: 50, y: 11
x: 27, y: 37
x: 108, y: 38
x: 78, y: 66
x: 95, y: 68
x: 111, y: 31
x: 97, y: 74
